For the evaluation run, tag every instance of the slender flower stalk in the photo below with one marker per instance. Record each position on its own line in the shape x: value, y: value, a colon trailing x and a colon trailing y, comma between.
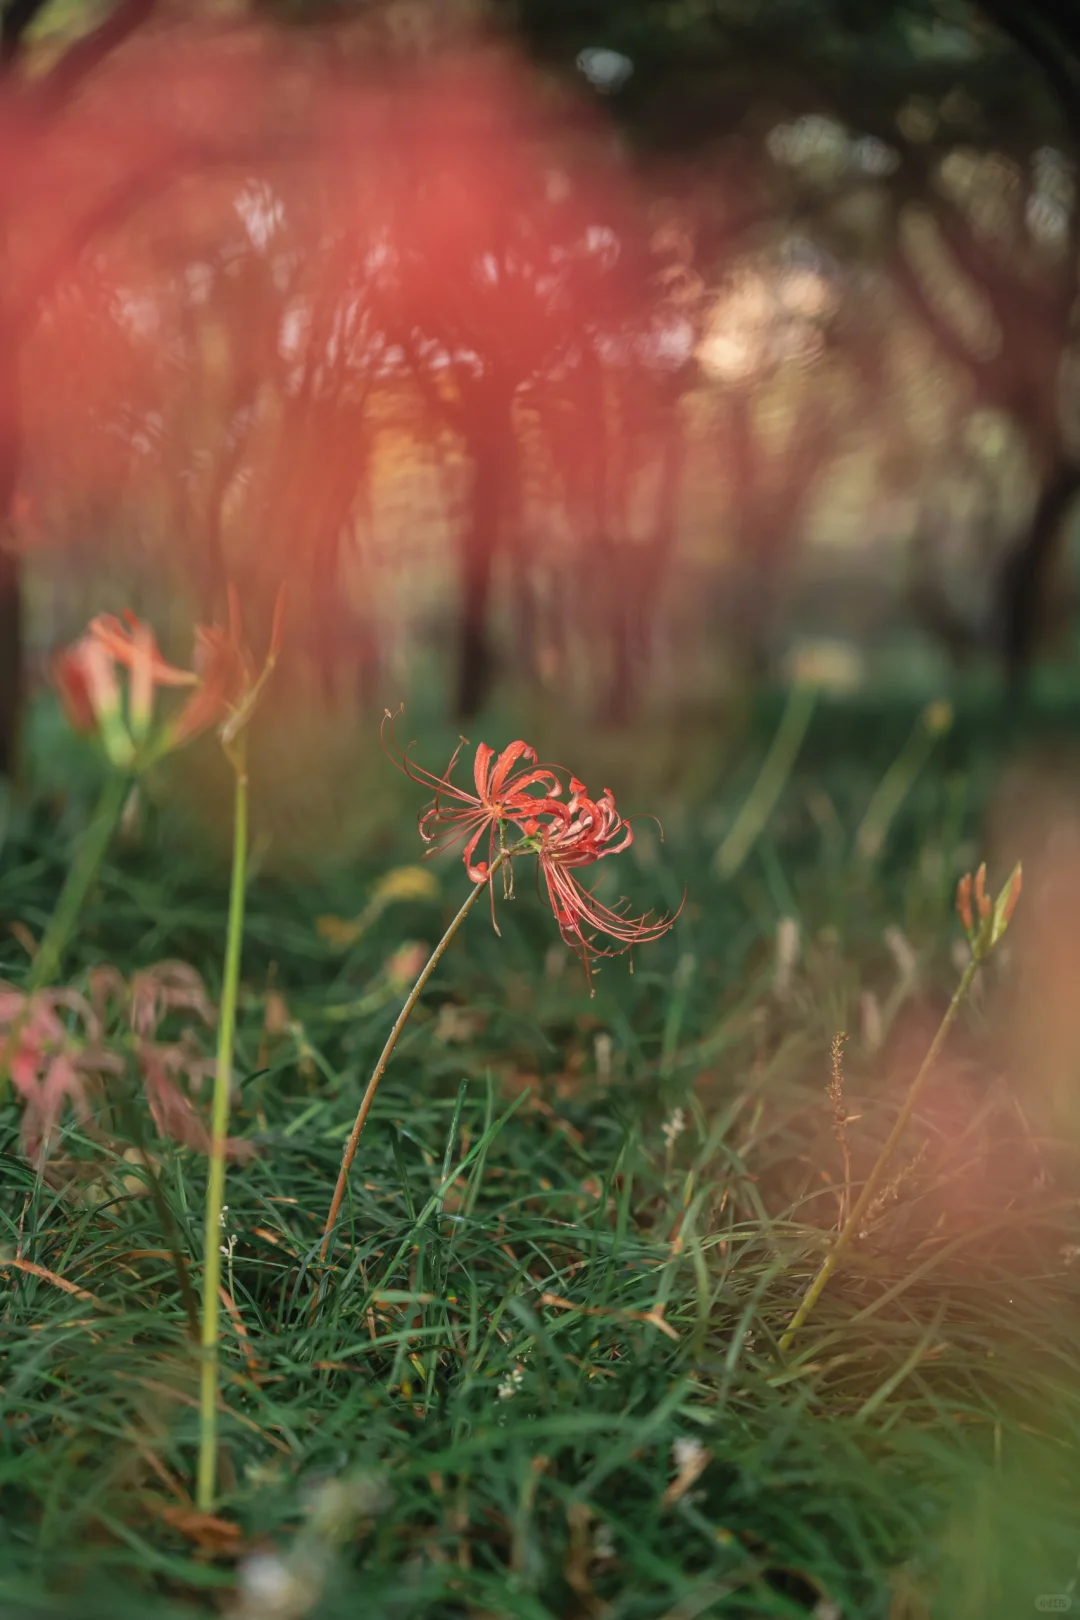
x: 511, y: 790
x: 80, y: 879
x: 87, y: 676
x: 984, y: 930
x: 229, y: 675
x: 215, y: 1187
x: 391, y: 1042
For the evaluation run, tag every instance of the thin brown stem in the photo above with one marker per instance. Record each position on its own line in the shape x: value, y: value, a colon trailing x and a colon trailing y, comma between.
x: 851, y: 1226
x: 388, y: 1050
x: 840, y: 1122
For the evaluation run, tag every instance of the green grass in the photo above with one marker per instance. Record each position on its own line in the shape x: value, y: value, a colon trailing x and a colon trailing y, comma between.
x: 518, y: 1222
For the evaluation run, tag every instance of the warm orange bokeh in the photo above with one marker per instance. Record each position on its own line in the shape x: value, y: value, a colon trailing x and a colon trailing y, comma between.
x: 244, y: 264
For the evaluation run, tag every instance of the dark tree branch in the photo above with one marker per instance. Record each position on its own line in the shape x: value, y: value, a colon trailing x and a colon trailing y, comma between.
x: 1024, y: 576
x: 1023, y: 25
x: 15, y: 20
x: 87, y: 54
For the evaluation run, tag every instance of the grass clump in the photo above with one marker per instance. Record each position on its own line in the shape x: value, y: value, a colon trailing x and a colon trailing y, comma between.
x: 540, y: 1372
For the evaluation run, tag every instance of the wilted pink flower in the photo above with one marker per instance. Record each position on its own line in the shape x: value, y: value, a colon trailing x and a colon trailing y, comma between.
x: 50, y: 1062
x: 151, y: 994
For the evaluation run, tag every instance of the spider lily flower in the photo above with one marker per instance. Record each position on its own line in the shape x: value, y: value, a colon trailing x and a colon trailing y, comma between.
x: 226, y: 685
x: 593, y: 830
x: 509, y: 788
x: 87, y: 678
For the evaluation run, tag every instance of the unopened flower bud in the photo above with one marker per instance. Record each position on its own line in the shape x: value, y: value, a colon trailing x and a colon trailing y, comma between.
x: 963, y: 902
x: 1006, y: 904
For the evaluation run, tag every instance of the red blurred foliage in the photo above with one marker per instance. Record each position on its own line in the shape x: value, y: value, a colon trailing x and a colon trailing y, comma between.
x: 235, y: 257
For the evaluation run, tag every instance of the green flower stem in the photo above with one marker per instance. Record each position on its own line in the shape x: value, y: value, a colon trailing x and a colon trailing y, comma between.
x: 387, y: 1052
x: 77, y: 885
x: 215, y: 1188
x: 81, y: 874
x: 851, y: 1226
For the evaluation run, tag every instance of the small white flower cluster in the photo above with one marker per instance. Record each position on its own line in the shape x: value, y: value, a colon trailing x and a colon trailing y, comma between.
x: 271, y: 1590
x: 673, y: 1128
x: 603, y: 1544
x: 511, y: 1383
x: 687, y: 1453
x: 228, y: 1248
x: 290, y: 1585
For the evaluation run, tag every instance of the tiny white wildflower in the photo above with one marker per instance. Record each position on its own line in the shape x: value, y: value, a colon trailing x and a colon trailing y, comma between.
x: 511, y: 1383
x: 687, y: 1453
x: 270, y: 1590
x: 673, y: 1128
x: 603, y: 1543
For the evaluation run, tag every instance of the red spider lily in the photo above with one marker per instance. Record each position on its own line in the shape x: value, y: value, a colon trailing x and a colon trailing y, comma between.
x: 87, y: 680
x: 505, y: 792
x: 131, y: 645
x: 593, y: 830
x: 225, y: 681
x: 86, y: 677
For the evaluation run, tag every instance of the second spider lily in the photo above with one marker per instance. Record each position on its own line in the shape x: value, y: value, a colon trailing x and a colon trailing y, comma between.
x: 222, y: 688
x: 88, y: 678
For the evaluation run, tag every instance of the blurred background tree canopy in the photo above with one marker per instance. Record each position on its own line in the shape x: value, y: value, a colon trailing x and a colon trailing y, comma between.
x: 611, y: 350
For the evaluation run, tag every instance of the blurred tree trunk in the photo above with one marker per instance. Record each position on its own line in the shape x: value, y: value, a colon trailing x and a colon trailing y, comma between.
x: 84, y: 55
x: 1028, y: 573
x: 15, y: 20
x: 487, y: 426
